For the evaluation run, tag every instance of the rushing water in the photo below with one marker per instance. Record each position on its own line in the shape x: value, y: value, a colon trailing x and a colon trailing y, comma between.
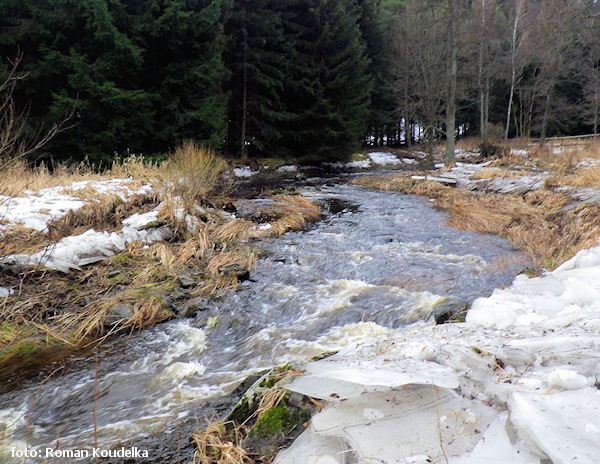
x: 378, y: 260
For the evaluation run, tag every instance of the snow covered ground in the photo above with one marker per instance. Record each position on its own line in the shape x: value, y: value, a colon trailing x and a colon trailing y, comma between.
x: 516, y: 383
x: 35, y: 209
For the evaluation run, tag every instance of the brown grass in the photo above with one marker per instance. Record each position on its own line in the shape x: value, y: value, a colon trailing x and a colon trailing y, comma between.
x: 503, y: 173
x: 192, y: 173
x: 587, y: 177
x: 219, y: 443
x: 50, y: 307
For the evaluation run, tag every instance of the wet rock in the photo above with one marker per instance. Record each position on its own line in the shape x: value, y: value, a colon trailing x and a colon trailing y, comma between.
x: 195, y: 305
x: 186, y: 281
x: 118, y: 313
x: 279, y: 425
x: 179, y: 294
x: 238, y: 271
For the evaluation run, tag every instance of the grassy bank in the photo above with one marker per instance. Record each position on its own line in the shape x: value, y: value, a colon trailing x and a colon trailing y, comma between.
x: 206, y: 250
x: 547, y: 223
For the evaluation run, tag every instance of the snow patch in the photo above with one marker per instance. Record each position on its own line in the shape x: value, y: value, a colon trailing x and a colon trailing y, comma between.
x: 287, y: 168
x: 244, y: 171
x: 384, y: 158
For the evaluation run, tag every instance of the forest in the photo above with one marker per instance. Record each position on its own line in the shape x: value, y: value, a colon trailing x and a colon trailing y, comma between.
x: 301, y: 79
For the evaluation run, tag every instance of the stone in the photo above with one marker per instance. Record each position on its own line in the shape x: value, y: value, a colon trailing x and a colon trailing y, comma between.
x: 118, y: 313
x: 235, y: 269
x: 186, y: 281
x: 195, y: 305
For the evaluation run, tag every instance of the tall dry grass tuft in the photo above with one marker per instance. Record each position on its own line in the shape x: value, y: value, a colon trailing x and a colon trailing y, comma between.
x: 193, y: 173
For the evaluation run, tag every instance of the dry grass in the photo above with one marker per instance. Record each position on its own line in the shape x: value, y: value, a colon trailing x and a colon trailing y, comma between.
x: 192, y: 174
x: 499, y: 172
x: 78, y: 308
x: 468, y: 144
x: 219, y: 443
x: 587, y: 177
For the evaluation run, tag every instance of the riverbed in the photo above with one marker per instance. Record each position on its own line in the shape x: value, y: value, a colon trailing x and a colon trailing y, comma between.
x: 376, y: 261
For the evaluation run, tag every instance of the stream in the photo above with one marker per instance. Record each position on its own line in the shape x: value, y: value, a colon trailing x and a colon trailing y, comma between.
x: 375, y: 262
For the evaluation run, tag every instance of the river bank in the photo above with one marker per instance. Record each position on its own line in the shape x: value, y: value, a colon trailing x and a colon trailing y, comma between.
x: 310, y: 292
x: 85, y: 256
x: 517, y: 381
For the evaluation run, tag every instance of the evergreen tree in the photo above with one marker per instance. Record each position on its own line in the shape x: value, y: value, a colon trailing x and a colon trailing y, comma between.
x: 75, y: 55
x: 258, y: 55
x: 330, y: 92
x: 374, y: 23
x: 183, y: 70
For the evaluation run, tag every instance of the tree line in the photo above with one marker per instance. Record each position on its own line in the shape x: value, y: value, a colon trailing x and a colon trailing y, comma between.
x: 308, y: 79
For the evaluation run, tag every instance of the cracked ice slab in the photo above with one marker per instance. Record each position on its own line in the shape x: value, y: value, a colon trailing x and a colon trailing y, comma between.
x: 349, y: 378
x: 563, y: 425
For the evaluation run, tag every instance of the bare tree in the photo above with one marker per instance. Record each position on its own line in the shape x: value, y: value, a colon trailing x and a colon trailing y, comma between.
x: 418, y: 58
x: 15, y: 145
x: 589, y: 70
x: 518, y: 35
x: 452, y: 73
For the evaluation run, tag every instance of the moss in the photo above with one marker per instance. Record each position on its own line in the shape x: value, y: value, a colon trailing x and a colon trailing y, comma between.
x: 25, y: 347
x: 117, y: 278
x: 274, y: 420
x: 279, y: 421
x: 530, y: 272
x: 241, y: 412
x: 119, y: 259
x: 324, y: 355
x: 153, y: 225
x: 274, y: 376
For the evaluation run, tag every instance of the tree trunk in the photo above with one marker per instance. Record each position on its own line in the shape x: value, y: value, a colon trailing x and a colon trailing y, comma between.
x: 514, y: 49
x: 510, y: 100
x: 545, y: 119
x: 244, y: 148
x: 596, y: 107
x: 451, y: 99
x: 483, y: 80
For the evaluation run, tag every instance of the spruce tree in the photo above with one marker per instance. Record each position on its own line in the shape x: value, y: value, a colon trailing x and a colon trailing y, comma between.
x: 330, y: 92
x: 374, y: 23
x: 258, y: 54
x: 76, y: 56
x: 183, y: 70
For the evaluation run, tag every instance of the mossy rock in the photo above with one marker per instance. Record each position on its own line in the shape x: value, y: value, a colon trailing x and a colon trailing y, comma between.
x: 529, y: 272
x: 279, y: 425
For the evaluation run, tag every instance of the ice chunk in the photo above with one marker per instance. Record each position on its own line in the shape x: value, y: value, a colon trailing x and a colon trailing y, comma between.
x: 4, y: 292
x: 332, y: 379
x: 310, y: 448
x: 244, y: 171
x: 568, y: 379
x: 495, y: 446
x: 415, y: 420
x: 555, y: 423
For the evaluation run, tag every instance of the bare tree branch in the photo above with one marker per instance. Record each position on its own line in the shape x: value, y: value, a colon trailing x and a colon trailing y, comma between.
x: 14, y: 145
